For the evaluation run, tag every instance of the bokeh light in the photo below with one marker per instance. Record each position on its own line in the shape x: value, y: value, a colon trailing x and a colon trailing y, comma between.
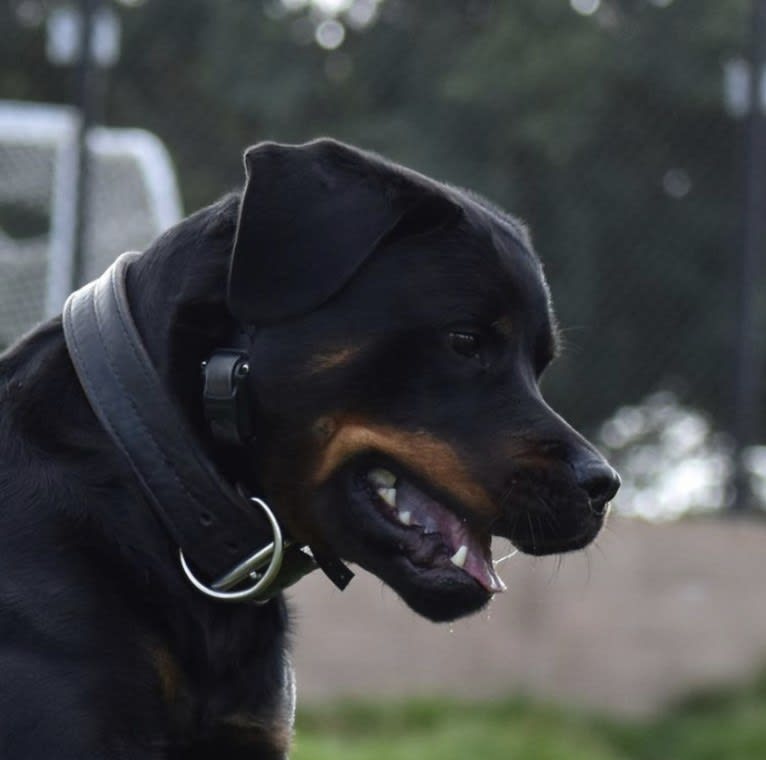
x: 585, y: 7
x: 330, y: 34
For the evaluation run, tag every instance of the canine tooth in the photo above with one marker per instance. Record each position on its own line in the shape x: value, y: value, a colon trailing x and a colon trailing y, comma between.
x: 405, y: 518
x: 459, y: 557
x: 382, y: 478
x: 388, y: 495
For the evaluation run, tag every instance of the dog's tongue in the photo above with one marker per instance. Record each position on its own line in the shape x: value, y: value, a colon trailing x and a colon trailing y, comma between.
x: 467, y: 550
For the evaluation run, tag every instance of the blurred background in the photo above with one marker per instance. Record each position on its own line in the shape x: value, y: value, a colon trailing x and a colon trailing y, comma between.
x: 630, y: 135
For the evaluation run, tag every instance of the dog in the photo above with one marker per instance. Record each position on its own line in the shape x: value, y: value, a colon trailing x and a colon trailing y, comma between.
x: 383, y: 409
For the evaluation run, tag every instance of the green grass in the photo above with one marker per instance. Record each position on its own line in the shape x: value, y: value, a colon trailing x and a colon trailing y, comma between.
x: 712, y: 726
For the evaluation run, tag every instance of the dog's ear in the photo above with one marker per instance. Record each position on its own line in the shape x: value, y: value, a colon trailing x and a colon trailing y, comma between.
x: 310, y: 215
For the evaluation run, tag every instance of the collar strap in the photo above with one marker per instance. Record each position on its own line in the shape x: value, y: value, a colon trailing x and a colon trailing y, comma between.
x: 215, y: 528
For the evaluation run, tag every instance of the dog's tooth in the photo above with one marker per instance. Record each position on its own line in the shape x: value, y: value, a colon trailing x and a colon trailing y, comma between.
x: 388, y: 495
x: 405, y: 518
x: 459, y: 557
x: 382, y: 478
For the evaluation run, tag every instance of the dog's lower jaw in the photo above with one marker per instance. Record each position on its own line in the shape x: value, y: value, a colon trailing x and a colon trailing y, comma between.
x: 433, y: 587
x: 436, y: 595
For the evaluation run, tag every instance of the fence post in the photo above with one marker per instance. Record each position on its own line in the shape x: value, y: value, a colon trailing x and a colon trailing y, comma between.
x: 747, y: 411
x: 87, y: 71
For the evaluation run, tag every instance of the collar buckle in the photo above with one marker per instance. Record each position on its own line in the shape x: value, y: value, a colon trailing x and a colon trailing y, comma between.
x: 270, y: 556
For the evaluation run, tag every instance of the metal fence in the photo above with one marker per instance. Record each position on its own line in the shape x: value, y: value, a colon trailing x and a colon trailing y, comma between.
x: 132, y: 197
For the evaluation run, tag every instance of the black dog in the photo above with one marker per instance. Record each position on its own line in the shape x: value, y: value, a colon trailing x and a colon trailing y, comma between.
x: 393, y: 331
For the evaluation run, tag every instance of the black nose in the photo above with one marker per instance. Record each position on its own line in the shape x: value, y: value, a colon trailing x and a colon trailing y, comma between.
x: 598, y: 480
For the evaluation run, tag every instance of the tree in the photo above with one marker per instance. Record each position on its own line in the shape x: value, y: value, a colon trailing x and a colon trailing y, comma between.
x: 605, y: 133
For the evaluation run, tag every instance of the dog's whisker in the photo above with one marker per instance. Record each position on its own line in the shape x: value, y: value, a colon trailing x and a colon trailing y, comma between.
x: 505, y: 499
x: 590, y: 566
x: 505, y: 557
x: 557, y: 565
x: 549, y: 518
x: 531, y: 529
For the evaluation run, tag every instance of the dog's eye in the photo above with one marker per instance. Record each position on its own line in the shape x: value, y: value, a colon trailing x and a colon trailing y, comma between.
x: 465, y: 343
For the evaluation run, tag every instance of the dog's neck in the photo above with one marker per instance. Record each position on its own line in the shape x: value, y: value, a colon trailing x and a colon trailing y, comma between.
x: 177, y: 291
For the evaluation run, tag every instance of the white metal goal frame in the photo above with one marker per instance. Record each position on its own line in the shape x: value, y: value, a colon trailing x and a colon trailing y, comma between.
x: 131, y: 162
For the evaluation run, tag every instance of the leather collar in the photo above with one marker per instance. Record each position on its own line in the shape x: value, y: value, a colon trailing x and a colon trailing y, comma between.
x: 214, y: 526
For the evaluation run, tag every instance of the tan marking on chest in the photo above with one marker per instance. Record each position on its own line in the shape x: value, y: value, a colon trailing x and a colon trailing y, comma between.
x: 168, y: 672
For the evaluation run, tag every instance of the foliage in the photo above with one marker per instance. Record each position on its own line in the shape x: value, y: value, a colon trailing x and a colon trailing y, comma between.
x: 706, y: 727
x: 671, y: 460
x: 606, y: 133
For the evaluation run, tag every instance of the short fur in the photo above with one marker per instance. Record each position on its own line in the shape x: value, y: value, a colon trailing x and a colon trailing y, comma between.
x: 349, y: 277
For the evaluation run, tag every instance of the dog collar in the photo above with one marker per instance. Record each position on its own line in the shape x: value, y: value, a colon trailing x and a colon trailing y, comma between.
x: 214, y: 525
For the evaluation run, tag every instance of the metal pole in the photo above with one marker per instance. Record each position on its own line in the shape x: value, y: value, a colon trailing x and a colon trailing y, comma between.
x: 747, y: 412
x: 87, y: 73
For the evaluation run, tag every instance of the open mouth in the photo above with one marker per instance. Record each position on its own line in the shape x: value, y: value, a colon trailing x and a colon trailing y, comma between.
x: 429, y: 535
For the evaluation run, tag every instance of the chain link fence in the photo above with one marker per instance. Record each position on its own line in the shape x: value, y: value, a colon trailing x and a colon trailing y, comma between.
x: 132, y: 197
x: 25, y: 196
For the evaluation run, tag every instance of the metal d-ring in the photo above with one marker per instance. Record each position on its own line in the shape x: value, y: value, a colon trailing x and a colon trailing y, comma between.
x: 271, y: 553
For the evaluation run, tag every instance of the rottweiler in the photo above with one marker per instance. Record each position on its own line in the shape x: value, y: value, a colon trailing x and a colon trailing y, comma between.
x: 391, y: 331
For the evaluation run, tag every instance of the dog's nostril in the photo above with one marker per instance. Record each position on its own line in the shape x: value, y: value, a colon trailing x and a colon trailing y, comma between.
x: 598, y: 480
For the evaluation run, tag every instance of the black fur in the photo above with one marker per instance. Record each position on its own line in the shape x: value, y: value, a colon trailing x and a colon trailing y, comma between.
x: 105, y: 650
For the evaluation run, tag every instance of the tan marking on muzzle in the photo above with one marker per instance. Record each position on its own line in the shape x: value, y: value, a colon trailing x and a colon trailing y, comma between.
x: 526, y: 453
x: 327, y: 360
x: 420, y: 452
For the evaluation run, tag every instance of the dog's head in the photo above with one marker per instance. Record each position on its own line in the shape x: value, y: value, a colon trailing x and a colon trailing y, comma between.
x: 398, y: 331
